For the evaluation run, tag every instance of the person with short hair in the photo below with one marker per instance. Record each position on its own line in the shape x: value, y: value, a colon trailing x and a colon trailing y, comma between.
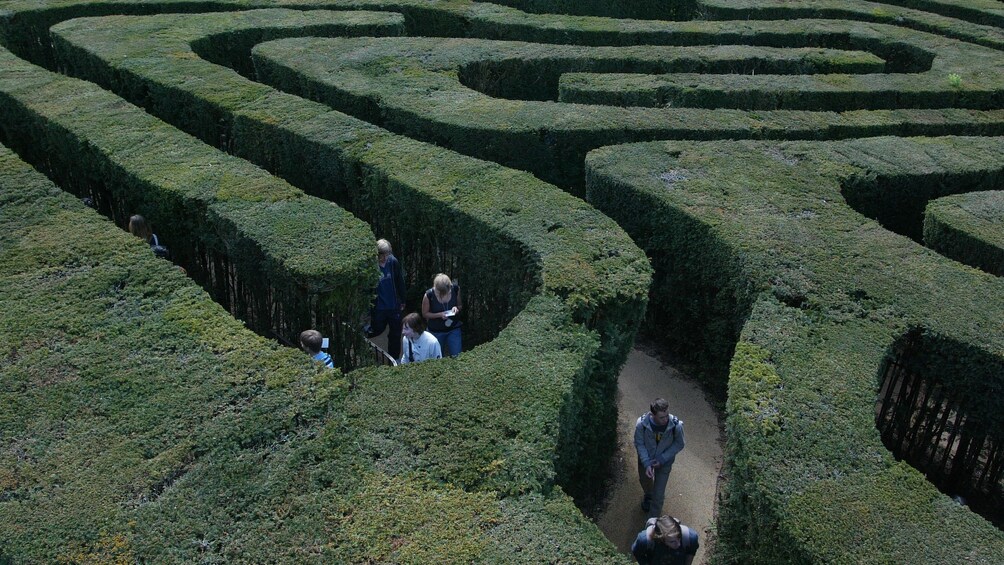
x: 441, y: 306
x: 665, y: 541
x: 311, y: 341
x: 416, y: 343
x: 658, y: 437
x: 389, y: 302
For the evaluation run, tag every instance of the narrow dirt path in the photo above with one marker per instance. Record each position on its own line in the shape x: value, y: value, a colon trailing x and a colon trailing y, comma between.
x: 691, y: 493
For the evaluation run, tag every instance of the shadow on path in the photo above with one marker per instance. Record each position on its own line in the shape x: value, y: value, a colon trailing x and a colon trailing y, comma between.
x: 691, y: 494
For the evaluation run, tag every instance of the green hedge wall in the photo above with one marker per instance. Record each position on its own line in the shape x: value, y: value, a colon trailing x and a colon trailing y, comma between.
x: 411, y: 86
x: 822, y: 294
x: 786, y: 333
x: 587, y: 269
x: 977, y: 23
x: 144, y: 423
x: 968, y: 228
x: 642, y: 9
x: 298, y: 261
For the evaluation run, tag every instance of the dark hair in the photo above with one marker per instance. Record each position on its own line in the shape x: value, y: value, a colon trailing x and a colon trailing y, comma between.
x: 310, y: 341
x: 659, y: 405
x: 415, y: 322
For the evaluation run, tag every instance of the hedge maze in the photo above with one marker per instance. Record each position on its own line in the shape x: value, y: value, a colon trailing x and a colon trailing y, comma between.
x: 802, y: 198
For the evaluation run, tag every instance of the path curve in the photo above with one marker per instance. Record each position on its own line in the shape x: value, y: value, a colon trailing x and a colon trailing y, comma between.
x: 691, y: 493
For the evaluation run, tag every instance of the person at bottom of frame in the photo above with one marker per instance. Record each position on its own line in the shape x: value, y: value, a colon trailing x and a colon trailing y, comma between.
x: 311, y: 341
x: 665, y: 541
x: 416, y: 343
x: 440, y: 306
x: 658, y: 437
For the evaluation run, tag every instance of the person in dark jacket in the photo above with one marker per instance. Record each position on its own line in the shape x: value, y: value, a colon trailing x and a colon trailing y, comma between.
x: 665, y: 541
x: 389, y: 303
x: 658, y: 437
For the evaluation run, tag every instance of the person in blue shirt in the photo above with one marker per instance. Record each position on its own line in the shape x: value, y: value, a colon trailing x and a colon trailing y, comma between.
x: 665, y: 541
x: 310, y: 341
x: 658, y: 437
x: 389, y: 302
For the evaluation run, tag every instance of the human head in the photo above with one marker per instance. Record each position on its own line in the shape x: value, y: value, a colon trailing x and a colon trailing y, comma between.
x: 442, y: 283
x: 310, y: 341
x: 139, y: 228
x: 384, y: 248
x: 660, y: 411
x: 413, y: 325
x: 668, y: 531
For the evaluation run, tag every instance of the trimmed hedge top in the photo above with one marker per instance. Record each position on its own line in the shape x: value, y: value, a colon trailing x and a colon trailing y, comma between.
x: 828, y: 293
x: 968, y: 228
x: 413, y: 86
x: 142, y: 422
x: 564, y: 348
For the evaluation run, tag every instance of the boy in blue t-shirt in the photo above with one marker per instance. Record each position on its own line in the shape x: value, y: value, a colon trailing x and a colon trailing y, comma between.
x: 389, y: 300
x: 311, y: 341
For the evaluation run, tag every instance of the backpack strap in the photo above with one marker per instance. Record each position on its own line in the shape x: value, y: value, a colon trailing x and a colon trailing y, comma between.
x: 411, y: 351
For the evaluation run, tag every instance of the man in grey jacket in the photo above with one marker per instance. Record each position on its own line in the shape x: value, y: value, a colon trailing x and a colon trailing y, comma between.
x: 658, y: 437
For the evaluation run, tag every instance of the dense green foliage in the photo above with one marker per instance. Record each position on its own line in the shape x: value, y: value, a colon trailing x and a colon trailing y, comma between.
x: 429, y: 89
x: 818, y: 296
x: 142, y: 422
x: 968, y: 228
x: 780, y: 268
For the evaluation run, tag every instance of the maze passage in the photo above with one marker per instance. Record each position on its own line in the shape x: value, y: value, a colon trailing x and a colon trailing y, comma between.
x: 736, y: 146
x: 411, y: 86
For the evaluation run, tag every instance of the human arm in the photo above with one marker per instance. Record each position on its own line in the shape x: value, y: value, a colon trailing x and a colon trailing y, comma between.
x: 426, y: 312
x: 456, y: 289
x: 639, y: 442
x: 399, y: 289
x: 675, y: 447
x: 642, y: 547
x: 404, y: 351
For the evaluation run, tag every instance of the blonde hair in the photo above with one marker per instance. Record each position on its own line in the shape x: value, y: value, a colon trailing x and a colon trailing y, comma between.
x: 139, y: 228
x: 442, y: 283
x: 668, y: 531
x: 383, y: 247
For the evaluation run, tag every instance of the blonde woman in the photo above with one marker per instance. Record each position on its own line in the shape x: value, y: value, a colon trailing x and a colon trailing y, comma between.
x: 440, y: 307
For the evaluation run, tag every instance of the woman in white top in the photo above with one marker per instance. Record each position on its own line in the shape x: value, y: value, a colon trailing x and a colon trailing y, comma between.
x: 416, y: 343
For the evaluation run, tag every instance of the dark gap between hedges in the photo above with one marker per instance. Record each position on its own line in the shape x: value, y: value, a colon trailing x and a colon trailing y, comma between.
x: 231, y: 272
x: 898, y: 201
x: 939, y: 409
x: 424, y: 252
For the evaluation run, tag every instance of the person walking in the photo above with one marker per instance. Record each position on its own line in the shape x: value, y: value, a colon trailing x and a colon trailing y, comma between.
x: 658, y: 437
